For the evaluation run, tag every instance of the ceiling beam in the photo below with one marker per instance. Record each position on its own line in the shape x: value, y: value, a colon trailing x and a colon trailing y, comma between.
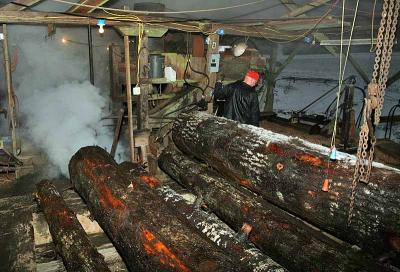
x: 33, y: 17
x: 291, y: 5
x: 84, y: 10
x: 19, y: 5
x: 304, y: 8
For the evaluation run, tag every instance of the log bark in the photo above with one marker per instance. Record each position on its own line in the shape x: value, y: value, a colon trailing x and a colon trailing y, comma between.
x: 210, y: 225
x: 275, y: 232
x: 143, y: 229
x: 289, y: 172
x: 69, y: 237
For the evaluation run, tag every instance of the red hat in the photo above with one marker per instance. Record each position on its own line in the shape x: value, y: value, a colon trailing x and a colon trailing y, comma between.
x: 253, y: 74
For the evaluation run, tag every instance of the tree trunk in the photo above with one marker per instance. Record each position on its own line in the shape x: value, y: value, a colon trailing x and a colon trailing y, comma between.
x: 275, y: 232
x: 208, y: 224
x: 142, y: 227
x: 69, y: 237
x: 289, y: 172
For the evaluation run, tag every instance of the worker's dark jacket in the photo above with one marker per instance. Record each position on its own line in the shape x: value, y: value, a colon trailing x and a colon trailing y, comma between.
x: 240, y: 102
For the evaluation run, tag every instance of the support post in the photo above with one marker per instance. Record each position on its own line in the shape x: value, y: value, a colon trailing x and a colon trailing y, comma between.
x: 143, y: 100
x: 269, y: 102
x: 10, y: 92
x: 117, y: 132
x: 114, y: 60
x: 90, y: 45
x: 129, y: 97
x: 212, y: 48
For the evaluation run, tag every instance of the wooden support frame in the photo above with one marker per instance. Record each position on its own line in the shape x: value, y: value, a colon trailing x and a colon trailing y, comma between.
x: 292, y: 6
x: 269, y: 98
x: 117, y: 132
x: 305, y: 8
x: 129, y: 98
x: 11, y: 114
x: 81, y: 9
x: 19, y: 5
x: 212, y: 48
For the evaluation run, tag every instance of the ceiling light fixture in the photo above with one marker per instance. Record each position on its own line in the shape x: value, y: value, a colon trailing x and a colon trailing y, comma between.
x: 101, y: 23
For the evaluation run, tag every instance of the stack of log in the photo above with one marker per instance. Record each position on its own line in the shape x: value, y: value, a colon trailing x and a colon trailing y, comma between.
x: 272, y: 183
x: 148, y: 231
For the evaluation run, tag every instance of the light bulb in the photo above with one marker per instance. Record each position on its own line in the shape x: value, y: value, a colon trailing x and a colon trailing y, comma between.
x: 64, y: 40
x: 101, y: 29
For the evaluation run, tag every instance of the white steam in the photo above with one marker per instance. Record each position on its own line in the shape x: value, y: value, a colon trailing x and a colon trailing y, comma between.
x: 63, y: 119
x: 60, y: 111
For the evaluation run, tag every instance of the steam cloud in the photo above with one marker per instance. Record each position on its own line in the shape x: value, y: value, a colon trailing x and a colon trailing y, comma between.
x: 60, y: 111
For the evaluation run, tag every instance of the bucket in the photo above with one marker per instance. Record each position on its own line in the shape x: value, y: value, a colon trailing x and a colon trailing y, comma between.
x: 156, y: 66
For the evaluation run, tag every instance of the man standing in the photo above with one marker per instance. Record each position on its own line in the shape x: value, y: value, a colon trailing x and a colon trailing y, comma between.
x: 240, y: 99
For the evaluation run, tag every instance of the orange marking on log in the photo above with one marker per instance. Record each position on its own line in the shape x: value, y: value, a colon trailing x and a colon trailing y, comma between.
x: 64, y: 218
x: 107, y: 199
x: 275, y: 148
x: 309, y: 158
x: 245, y: 183
x: 150, y: 180
x: 154, y: 246
x: 279, y: 166
x: 311, y: 193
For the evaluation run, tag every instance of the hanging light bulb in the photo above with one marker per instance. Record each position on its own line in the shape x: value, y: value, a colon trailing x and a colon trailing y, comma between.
x: 101, y: 23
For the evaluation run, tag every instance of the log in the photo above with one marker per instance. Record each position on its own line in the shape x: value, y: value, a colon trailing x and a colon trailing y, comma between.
x: 71, y: 240
x: 210, y: 225
x: 289, y: 172
x: 275, y: 232
x: 143, y: 229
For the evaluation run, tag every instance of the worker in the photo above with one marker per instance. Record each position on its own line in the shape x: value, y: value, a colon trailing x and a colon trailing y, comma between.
x: 239, y: 100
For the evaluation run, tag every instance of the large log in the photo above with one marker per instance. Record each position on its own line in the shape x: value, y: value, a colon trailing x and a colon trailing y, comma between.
x: 143, y: 229
x: 210, y: 225
x: 277, y: 233
x: 289, y: 172
x: 69, y: 237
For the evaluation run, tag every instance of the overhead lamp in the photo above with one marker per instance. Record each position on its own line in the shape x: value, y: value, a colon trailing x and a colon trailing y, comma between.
x: 238, y: 49
x: 101, y: 23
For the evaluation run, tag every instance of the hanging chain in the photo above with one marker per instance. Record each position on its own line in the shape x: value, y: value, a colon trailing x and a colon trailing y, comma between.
x: 375, y: 98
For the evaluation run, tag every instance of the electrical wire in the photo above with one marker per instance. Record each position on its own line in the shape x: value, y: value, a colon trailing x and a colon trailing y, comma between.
x: 342, y: 70
x: 159, y: 12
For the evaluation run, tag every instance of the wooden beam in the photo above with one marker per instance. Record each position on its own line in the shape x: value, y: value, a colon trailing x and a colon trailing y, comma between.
x: 117, y: 132
x: 212, y: 48
x: 33, y: 17
x: 83, y: 10
x: 269, y: 98
x: 129, y: 97
x: 291, y: 5
x: 288, y: 60
x: 19, y: 5
x: 145, y: 86
x: 305, y: 8
x: 12, y: 117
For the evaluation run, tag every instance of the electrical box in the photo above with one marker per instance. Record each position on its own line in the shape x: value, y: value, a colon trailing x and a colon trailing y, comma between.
x: 213, y: 63
x: 136, y: 90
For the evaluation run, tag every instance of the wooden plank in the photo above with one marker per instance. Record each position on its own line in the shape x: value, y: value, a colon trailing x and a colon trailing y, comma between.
x: 129, y: 98
x: 145, y: 86
x: 83, y: 10
x: 19, y: 5
x: 291, y: 5
x: 305, y: 8
x: 11, y: 113
x: 35, y: 17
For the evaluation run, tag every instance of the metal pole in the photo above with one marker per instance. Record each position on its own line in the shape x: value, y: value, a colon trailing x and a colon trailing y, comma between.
x: 129, y: 96
x: 90, y: 54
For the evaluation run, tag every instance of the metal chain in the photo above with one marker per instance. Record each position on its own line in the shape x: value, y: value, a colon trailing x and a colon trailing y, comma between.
x: 375, y: 99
